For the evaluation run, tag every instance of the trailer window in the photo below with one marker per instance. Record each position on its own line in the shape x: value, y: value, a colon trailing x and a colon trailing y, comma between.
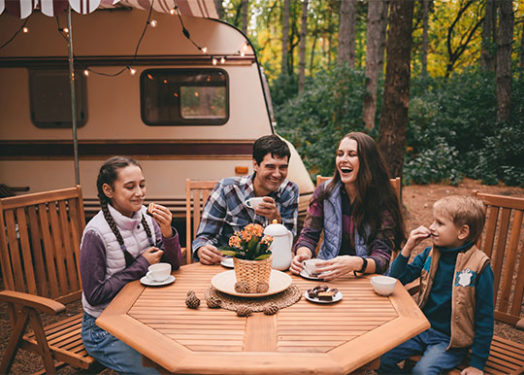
x: 50, y: 98
x: 184, y: 96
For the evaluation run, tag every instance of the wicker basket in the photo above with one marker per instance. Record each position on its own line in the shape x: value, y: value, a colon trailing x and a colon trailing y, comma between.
x: 253, y: 271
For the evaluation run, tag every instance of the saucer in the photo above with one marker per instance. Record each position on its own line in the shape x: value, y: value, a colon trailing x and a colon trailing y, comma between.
x: 337, y: 297
x: 225, y: 282
x: 305, y: 275
x: 228, y: 263
x: 146, y: 281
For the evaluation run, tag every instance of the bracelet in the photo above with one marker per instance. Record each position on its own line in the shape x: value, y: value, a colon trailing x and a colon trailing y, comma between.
x: 364, y: 266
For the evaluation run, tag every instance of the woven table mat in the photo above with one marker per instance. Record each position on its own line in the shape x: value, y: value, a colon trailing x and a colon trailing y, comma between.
x: 283, y: 299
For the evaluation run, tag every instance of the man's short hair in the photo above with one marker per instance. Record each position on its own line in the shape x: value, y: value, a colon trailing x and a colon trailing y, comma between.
x: 270, y: 144
x: 465, y: 210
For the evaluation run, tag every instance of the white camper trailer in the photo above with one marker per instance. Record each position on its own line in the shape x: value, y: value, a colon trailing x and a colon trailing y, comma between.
x: 183, y: 113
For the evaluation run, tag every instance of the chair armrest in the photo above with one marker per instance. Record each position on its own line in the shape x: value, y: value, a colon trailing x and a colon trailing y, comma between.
x: 41, y: 304
x: 413, y: 287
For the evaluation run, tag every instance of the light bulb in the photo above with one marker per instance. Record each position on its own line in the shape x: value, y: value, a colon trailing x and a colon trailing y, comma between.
x: 66, y: 30
x: 242, y: 53
x: 204, y: 49
x: 223, y: 60
x: 153, y: 23
x: 172, y: 12
x: 25, y: 29
x: 86, y: 73
x: 132, y: 71
x: 214, y: 61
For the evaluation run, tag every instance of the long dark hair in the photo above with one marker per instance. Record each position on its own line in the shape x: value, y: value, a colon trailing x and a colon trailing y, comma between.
x: 108, y: 174
x: 374, y: 192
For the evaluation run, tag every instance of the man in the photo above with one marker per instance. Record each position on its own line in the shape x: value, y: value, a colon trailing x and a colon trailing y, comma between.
x: 225, y: 212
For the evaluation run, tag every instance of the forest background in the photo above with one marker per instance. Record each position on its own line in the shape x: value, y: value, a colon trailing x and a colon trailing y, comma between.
x: 438, y: 83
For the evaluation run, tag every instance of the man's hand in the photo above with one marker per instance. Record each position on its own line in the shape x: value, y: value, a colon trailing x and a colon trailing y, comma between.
x: 268, y: 208
x: 209, y: 254
x: 471, y: 371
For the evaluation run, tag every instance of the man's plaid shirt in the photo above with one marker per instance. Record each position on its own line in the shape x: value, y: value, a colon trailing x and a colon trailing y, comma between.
x: 225, y: 212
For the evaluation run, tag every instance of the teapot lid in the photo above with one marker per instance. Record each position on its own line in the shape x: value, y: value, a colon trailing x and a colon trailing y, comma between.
x: 275, y: 229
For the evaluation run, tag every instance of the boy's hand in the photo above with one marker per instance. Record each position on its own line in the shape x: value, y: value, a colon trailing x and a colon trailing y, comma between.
x: 416, y: 236
x: 471, y: 371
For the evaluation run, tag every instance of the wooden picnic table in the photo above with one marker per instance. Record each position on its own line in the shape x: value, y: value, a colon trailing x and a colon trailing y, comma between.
x: 303, y: 338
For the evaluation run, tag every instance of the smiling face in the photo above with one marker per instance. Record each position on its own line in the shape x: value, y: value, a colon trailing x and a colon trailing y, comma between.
x: 270, y: 174
x: 128, y: 191
x: 347, y: 161
x: 444, y: 232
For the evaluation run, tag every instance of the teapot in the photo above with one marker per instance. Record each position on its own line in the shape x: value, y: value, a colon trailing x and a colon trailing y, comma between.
x: 281, y: 246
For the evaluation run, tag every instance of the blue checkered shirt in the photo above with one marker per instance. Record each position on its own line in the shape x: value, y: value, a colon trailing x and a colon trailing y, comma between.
x: 225, y: 213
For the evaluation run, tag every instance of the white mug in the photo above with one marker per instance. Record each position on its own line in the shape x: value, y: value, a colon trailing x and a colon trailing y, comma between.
x: 310, y: 266
x: 254, y: 202
x: 159, y: 272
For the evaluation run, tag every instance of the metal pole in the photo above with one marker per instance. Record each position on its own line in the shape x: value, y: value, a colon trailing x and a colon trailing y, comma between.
x: 73, y: 96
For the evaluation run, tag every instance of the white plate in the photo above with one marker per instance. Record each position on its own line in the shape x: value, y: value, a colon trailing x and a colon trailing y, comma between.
x: 337, y: 297
x: 225, y: 283
x: 227, y: 262
x: 146, y: 281
x: 306, y: 275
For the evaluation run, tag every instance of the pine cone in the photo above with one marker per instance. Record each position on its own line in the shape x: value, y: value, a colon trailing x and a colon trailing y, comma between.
x: 191, y: 292
x: 214, y: 302
x: 262, y: 287
x: 244, y: 311
x: 271, y: 309
x: 242, y: 287
x: 192, y: 301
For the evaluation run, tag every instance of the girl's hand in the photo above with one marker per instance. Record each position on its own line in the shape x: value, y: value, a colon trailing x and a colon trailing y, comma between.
x: 153, y: 255
x: 163, y: 217
x: 339, y: 266
x: 303, y: 253
x: 416, y: 236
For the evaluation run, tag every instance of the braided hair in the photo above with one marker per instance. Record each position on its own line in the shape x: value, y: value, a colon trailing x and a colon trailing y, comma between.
x: 108, y: 174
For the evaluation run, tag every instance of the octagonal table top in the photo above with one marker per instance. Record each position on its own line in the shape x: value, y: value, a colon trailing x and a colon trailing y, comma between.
x: 302, y: 338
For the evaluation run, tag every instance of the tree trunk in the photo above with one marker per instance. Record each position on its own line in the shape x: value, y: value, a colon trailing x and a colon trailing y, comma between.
x: 245, y: 5
x: 394, y: 116
x: 302, y: 58
x: 504, y: 40
x: 487, y: 55
x: 220, y: 9
x: 522, y: 51
x: 425, y: 42
x: 382, y: 43
x: 374, y: 58
x: 347, y: 33
x: 285, y: 37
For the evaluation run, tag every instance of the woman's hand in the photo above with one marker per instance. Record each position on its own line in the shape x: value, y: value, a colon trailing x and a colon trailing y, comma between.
x: 153, y: 255
x: 339, y: 266
x: 163, y: 217
x: 303, y: 253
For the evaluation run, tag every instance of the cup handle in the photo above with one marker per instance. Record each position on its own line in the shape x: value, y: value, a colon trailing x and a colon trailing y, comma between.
x: 148, y: 275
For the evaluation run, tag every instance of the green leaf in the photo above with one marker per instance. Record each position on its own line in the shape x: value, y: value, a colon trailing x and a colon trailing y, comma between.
x: 263, y: 256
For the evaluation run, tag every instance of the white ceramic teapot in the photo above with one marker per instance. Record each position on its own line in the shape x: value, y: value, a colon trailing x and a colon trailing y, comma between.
x: 281, y: 246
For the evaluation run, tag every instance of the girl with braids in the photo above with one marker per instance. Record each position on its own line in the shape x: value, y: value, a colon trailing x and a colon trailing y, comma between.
x: 118, y: 245
x: 357, y: 210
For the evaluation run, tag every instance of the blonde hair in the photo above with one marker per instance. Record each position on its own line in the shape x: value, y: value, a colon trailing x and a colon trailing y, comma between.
x: 464, y: 210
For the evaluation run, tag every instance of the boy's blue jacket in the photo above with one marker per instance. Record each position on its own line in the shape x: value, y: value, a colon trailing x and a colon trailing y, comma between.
x: 438, y: 305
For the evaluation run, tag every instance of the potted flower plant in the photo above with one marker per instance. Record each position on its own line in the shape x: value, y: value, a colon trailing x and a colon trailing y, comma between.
x: 251, y: 257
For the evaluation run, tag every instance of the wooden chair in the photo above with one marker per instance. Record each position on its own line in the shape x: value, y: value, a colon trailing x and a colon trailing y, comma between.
x: 503, y: 242
x: 395, y: 182
x: 39, y: 252
x: 197, y: 193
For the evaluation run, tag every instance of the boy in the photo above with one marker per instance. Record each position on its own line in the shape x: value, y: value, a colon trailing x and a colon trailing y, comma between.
x: 456, y: 291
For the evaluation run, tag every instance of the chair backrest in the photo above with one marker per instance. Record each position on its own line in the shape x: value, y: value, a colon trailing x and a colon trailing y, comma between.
x: 395, y: 182
x: 40, y: 237
x: 503, y: 241
x: 197, y: 193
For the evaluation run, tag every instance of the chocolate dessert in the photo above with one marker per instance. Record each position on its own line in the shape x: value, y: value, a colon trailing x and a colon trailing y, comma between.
x: 322, y: 293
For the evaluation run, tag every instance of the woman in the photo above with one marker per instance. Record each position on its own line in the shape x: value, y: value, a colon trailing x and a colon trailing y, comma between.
x: 358, y: 211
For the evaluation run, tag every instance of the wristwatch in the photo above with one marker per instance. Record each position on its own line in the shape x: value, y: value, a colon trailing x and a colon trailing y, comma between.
x: 364, y: 266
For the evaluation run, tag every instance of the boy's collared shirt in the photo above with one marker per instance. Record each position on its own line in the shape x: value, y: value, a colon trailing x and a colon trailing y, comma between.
x: 225, y: 212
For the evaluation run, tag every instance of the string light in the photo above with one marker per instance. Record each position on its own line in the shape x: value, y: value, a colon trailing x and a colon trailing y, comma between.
x: 184, y: 30
x: 223, y: 60
x: 132, y: 70
x: 66, y: 30
x: 214, y: 61
x: 204, y: 49
x: 86, y: 72
x: 22, y: 28
x: 25, y: 30
x: 153, y: 23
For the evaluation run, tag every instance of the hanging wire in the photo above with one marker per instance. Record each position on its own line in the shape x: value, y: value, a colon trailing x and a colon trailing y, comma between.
x: 184, y: 30
x: 60, y: 29
x: 15, y: 34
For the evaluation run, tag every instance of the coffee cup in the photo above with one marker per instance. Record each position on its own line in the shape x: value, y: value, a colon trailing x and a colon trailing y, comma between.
x: 159, y: 272
x: 254, y: 202
x: 310, y: 266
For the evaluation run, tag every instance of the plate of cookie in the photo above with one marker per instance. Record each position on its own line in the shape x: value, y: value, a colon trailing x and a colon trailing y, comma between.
x: 323, y: 294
